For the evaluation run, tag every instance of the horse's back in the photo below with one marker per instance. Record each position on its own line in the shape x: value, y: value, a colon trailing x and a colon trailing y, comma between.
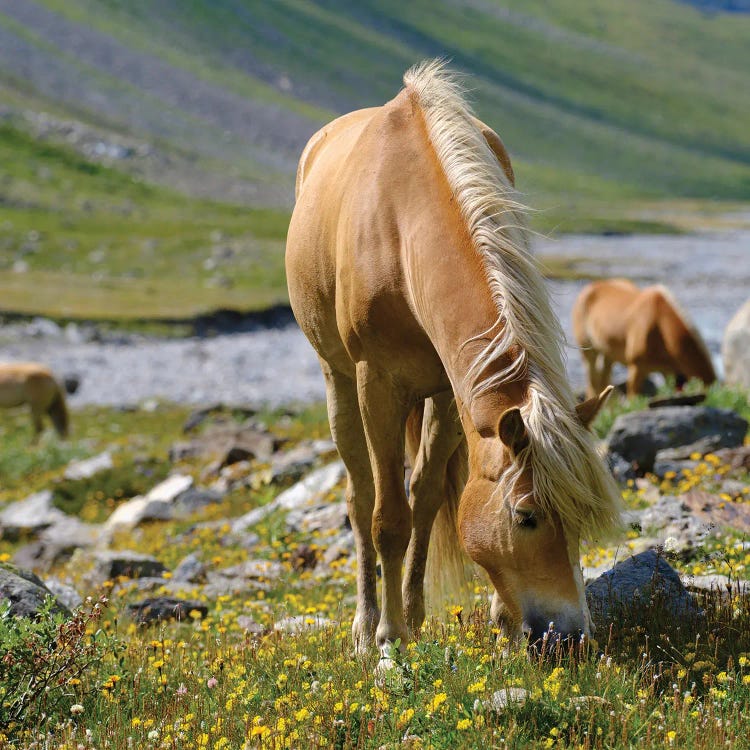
x: 367, y: 189
x: 599, y: 313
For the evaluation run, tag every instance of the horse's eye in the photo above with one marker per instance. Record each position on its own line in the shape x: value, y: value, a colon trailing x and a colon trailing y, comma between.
x: 526, y: 519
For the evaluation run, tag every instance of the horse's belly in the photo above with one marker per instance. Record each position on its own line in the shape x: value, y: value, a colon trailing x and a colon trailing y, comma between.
x: 11, y: 394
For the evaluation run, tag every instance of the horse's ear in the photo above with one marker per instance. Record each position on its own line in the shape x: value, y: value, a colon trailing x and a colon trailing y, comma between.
x: 587, y: 410
x: 512, y: 430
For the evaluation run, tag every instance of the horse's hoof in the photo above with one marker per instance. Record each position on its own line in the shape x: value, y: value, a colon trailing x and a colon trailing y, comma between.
x: 363, y: 634
x: 389, y: 673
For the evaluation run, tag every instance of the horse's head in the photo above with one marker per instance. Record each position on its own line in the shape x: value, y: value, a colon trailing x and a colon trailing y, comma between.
x: 530, y: 553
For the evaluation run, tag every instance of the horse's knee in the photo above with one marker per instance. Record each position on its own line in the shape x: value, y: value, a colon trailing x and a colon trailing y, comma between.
x: 391, y: 530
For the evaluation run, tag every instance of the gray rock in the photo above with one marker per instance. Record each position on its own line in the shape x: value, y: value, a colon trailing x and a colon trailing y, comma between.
x: 735, y: 348
x: 261, y: 570
x: 621, y: 469
x: 639, y: 435
x: 29, y: 516
x: 190, y: 570
x: 313, y: 488
x: 320, y: 518
x: 501, y: 699
x: 638, y: 585
x: 161, y: 608
x: 57, y: 543
x: 302, y: 623
x: 111, y: 564
x: 305, y: 494
x: 160, y: 504
x: 89, y: 467
x: 26, y: 593
x: 249, y: 625
x: 65, y: 594
x: 340, y: 547
x: 171, y: 488
x: 713, y: 582
x: 291, y: 465
x: 195, y: 499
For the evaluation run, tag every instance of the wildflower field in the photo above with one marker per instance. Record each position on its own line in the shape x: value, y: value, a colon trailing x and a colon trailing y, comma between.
x: 231, y: 679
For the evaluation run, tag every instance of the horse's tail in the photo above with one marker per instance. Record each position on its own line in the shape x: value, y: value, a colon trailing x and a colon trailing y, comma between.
x: 449, y: 573
x: 58, y: 412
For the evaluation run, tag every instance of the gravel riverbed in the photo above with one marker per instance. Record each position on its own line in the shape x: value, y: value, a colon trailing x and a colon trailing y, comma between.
x: 708, y: 273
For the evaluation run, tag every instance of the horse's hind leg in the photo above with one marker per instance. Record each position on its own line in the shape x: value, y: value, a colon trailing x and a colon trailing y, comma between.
x: 590, y: 359
x: 384, y: 410
x: 636, y: 379
x: 36, y: 420
x: 347, y: 431
x: 441, y: 435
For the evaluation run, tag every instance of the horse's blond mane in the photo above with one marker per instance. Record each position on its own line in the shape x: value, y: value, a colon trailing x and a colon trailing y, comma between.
x: 569, y: 476
x: 686, y: 319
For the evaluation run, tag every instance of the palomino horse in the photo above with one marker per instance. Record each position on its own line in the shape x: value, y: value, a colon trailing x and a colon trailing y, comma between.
x: 33, y: 384
x: 409, y: 271
x: 615, y: 321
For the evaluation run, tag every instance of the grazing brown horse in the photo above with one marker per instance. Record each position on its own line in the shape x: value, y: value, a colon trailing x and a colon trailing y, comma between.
x: 409, y: 271
x: 33, y: 384
x: 644, y: 329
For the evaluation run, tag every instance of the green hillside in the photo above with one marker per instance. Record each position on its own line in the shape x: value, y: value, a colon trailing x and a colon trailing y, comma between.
x: 611, y: 111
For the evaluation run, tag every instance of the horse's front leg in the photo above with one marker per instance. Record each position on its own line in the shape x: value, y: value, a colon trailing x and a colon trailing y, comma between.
x: 441, y: 436
x: 384, y: 411
x: 348, y: 433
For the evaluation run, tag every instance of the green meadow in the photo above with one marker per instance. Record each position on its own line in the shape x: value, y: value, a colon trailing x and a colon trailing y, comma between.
x: 619, y: 118
x: 229, y: 679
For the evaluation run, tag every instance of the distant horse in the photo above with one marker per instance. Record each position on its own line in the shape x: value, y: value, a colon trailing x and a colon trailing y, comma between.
x: 644, y: 329
x: 33, y: 384
x: 409, y: 271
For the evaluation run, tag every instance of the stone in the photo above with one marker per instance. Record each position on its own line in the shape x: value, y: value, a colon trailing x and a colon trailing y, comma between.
x: 89, y: 467
x: 261, y: 570
x: 320, y: 518
x: 735, y: 458
x: 301, y: 623
x: 67, y: 595
x: 171, y: 488
x: 313, y: 488
x: 636, y: 586
x: 229, y: 442
x: 249, y: 625
x: 195, y: 499
x: 501, y: 699
x: 160, y: 504
x: 57, y: 543
x: 621, y: 469
x: 111, y: 564
x: 190, y: 570
x: 26, y: 593
x: 161, y: 608
x: 735, y: 348
x: 29, y: 516
x: 136, y: 510
x: 291, y: 465
x: 305, y: 494
x: 638, y: 436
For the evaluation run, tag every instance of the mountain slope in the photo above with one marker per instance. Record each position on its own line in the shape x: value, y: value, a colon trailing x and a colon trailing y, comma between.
x: 609, y: 110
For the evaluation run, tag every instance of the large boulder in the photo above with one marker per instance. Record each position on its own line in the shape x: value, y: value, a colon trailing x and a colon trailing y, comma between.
x: 634, y: 589
x: 638, y: 436
x: 26, y: 593
x: 735, y: 348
